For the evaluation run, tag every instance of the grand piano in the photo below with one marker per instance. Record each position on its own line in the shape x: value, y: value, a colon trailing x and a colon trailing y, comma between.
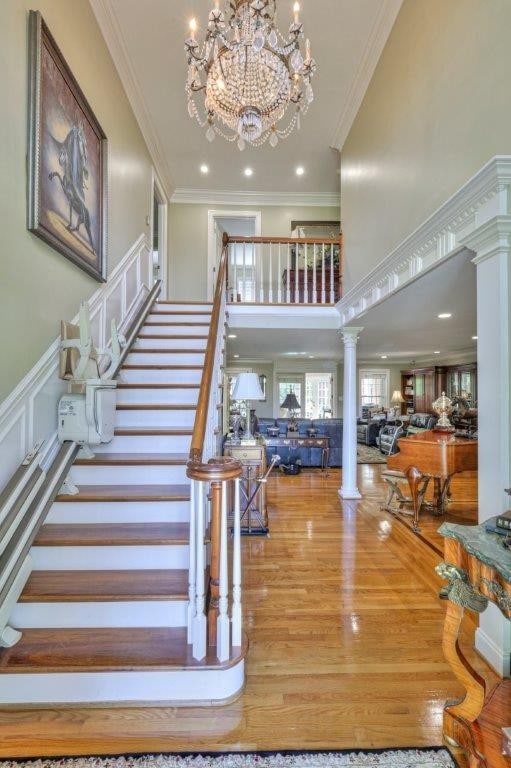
x: 432, y: 455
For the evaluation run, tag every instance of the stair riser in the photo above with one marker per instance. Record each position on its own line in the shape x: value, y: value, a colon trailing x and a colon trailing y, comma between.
x: 158, y: 396
x: 129, y: 475
x: 165, y: 358
x: 179, y: 318
x: 160, y: 686
x: 146, y: 444
x: 128, y: 613
x: 156, y: 418
x: 171, y: 307
x: 110, y: 558
x: 83, y: 512
x: 171, y: 344
x: 165, y: 329
x: 148, y: 376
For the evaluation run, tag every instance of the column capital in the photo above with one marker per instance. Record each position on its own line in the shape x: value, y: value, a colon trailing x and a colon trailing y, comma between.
x: 350, y: 333
x: 489, y: 239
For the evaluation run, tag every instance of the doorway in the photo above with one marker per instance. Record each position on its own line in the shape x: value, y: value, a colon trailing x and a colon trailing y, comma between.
x: 240, y: 223
x: 159, y: 234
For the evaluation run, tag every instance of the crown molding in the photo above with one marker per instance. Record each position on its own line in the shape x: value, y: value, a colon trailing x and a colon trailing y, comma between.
x: 370, y: 57
x: 238, y: 197
x: 111, y: 31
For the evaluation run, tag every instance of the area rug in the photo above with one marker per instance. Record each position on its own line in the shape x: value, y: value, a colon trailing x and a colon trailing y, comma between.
x: 403, y: 758
x: 368, y: 454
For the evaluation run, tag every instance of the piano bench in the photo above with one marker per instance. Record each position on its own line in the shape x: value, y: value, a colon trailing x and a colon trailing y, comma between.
x: 396, y: 500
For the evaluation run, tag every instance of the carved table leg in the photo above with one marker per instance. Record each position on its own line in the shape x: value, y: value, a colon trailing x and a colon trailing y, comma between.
x: 414, y: 477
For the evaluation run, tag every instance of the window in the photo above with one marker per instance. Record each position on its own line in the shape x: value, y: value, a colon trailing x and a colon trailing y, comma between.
x: 318, y: 388
x: 374, y: 388
x: 286, y: 385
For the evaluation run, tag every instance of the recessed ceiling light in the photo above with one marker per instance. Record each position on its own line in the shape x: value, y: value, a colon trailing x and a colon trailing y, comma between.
x: 235, y: 355
x: 248, y: 172
x: 383, y: 357
x: 436, y: 352
x: 300, y: 170
x: 311, y: 357
x: 474, y: 338
x: 444, y: 315
x: 204, y: 169
x: 232, y: 336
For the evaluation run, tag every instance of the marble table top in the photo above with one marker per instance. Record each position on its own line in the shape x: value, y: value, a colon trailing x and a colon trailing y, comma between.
x: 486, y: 547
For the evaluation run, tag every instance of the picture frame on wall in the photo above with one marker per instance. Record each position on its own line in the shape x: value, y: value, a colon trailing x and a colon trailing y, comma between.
x: 67, y: 158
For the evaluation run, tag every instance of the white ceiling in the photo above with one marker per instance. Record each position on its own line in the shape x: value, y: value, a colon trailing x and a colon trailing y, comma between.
x: 405, y: 327
x: 146, y: 41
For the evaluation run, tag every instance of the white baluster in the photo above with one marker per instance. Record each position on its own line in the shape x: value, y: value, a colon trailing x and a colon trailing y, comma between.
x: 270, y: 276
x: 192, y: 576
x: 332, y: 297
x: 305, y: 275
x: 314, y: 286
x: 244, y: 274
x: 234, y: 262
x: 237, y: 621
x: 323, y: 295
x: 297, y: 271
x: 279, y: 278
x: 222, y: 624
x: 260, y: 249
x: 288, y: 282
x: 199, y: 621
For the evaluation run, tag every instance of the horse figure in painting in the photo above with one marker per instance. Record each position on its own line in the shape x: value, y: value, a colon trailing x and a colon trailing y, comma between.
x: 72, y: 153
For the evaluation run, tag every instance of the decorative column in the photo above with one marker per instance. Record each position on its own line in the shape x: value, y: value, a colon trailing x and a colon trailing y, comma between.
x: 492, y: 243
x: 349, y: 488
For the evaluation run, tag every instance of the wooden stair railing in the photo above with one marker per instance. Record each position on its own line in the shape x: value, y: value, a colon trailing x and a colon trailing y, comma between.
x: 284, y: 270
x: 212, y: 480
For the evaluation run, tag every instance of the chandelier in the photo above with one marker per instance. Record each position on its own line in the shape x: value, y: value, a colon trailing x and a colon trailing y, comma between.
x: 248, y: 74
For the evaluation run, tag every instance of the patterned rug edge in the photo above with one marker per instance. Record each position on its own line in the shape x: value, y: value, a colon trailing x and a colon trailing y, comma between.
x: 408, y: 757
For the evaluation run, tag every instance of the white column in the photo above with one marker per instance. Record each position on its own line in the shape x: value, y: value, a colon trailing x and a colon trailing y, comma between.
x: 492, y: 244
x: 349, y: 489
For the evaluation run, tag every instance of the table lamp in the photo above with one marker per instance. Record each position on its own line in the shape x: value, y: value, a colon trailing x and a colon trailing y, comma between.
x: 247, y: 387
x: 396, y: 400
x: 292, y: 405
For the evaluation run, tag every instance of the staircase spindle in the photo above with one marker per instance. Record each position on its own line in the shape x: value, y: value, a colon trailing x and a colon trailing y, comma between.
x: 279, y: 280
x: 237, y: 620
x: 332, y: 288
x: 192, y: 572
x: 223, y: 629
x: 314, y: 287
x: 199, y: 620
x: 323, y: 293
x: 270, y: 275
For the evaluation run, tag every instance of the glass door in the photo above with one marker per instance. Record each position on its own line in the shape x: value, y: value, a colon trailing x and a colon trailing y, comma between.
x: 318, y: 395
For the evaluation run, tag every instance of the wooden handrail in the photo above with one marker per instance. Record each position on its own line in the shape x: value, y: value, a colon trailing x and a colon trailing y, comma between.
x: 287, y: 240
x: 201, y: 414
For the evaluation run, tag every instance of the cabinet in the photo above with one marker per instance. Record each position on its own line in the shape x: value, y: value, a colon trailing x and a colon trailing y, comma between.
x: 420, y: 387
x: 462, y: 382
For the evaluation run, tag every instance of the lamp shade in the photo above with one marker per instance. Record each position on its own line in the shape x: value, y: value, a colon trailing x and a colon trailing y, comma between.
x: 397, y: 397
x: 247, y: 387
x: 291, y: 403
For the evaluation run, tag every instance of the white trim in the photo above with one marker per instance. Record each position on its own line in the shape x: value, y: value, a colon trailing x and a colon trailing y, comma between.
x: 368, y: 62
x: 163, y: 205
x: 238, y: 197
x: 111, y: 31
x: 498, y: 659
x: 485, y: 196
x: 29, y: 414
x: 367, y: 369
x: 212, y: 244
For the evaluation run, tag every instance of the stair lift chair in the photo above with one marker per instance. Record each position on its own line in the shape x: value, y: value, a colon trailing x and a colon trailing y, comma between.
x: 86, y: 414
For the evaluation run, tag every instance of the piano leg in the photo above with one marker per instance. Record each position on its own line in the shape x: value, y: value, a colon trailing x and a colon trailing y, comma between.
x: 415, y: 479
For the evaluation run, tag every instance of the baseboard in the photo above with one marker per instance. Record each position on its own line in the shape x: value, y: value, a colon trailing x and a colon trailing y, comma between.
x: 492, y: 653
x: 29, y: 413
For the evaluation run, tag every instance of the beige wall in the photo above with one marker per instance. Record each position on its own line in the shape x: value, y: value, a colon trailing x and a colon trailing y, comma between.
x: 38, y: 286
x: 437, y: 109
x: 188, y: 240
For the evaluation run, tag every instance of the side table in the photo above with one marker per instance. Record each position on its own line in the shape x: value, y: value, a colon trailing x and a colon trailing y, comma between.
x: 478, y: 570
x: 254, y: 517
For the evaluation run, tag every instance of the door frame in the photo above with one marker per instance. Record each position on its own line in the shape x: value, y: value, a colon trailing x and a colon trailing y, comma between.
x: 212, y: 252
x: 158, y: 194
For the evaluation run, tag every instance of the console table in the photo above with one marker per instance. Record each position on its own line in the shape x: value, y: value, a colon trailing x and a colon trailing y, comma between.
x: 294, y: 443
x: 254, y: 517
x: 478, y: 570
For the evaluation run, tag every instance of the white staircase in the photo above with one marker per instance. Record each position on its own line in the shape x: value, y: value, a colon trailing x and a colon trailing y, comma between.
x: 106, y: 613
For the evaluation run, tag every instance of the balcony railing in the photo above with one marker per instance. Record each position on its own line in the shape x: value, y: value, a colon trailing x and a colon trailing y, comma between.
x: 281, y: 270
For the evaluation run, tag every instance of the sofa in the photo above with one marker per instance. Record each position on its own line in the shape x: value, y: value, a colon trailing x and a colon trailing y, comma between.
x: 310, y: 457
x: 388, y: 437
x: 368, y: 430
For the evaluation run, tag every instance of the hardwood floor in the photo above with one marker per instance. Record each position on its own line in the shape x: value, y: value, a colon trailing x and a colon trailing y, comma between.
x: 345, y: 626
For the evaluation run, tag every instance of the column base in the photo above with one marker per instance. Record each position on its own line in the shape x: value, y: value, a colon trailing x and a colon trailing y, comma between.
x: 349, y: 493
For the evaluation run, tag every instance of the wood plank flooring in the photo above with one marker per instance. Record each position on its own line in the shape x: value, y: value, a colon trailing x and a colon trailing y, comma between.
x: 345, y: 626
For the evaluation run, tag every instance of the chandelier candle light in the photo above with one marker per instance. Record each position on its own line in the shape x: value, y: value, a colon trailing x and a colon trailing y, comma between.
x: 248, y: 73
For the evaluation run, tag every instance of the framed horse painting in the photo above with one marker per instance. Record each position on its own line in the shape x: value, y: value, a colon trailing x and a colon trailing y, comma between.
x: 67, y: 158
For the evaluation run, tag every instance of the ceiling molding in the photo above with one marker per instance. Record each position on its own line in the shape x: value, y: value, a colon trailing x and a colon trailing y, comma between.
x: 227, y: 197
x: 110, y: 29
x: 370, y: 57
